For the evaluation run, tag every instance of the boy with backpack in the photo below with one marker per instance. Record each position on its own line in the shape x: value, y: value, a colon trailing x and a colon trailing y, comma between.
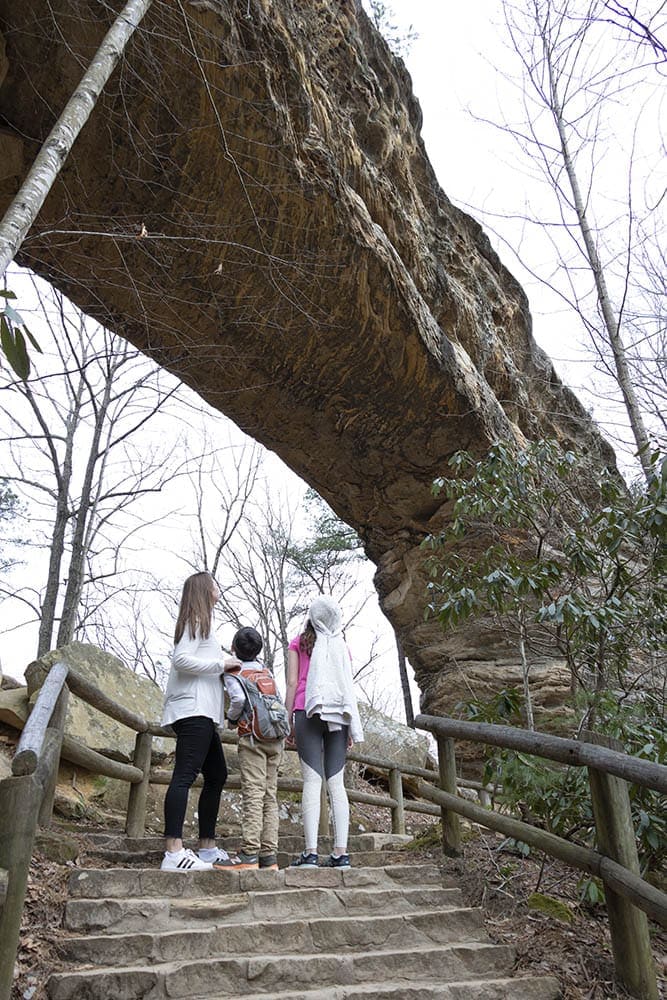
x: 255, y: 707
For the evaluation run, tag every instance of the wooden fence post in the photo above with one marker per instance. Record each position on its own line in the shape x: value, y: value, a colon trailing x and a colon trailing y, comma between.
x: 451, y: 829
x: 135, y: 823
x: 57, y: 724
x: 396, y: 792
x: 631, y: 945
x: 484, y: 798
x: 19, y: 804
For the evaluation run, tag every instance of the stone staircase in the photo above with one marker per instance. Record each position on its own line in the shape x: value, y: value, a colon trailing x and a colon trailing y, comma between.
x: 382, y: 929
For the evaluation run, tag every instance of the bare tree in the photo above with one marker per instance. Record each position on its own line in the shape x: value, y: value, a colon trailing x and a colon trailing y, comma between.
x: 405, y: 686
x: 602, y: 239
x: 268, y: 563
x: 72, y: 451
x: 222, y: 485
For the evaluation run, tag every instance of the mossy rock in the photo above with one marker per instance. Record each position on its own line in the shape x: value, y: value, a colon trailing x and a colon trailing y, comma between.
x: 551, y: 907
x: 57, y: 847
x: 430, y: 837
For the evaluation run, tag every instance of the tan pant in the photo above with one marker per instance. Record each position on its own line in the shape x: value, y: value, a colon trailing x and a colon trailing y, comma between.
x: 258, y: 763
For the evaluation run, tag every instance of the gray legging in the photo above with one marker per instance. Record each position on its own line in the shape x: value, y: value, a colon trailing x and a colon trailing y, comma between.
x: 322, y: 754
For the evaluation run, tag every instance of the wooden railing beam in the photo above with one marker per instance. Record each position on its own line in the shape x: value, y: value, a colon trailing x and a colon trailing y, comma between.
x: 650, y: 899
x: 572, y: 752
x: 30, y: 744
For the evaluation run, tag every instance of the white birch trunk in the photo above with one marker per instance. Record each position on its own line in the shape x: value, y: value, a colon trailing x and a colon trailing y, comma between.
x: 49, y: 161
x: 525, y: 670
x: 611, y: 320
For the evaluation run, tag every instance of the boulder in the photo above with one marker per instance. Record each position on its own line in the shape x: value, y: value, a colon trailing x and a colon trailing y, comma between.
x: 118, y: 682
x: 14, y: 707
x: 391, y: 740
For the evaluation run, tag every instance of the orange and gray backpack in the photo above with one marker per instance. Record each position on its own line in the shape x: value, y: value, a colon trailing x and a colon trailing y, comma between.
x: 264, y: 717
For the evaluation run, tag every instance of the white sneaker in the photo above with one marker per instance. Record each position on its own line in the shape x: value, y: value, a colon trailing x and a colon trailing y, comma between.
x: 220, y: 857
x: 184, y: 860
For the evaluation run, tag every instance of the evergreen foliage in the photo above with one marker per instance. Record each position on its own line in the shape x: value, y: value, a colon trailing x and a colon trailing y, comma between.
x: 575, y: 570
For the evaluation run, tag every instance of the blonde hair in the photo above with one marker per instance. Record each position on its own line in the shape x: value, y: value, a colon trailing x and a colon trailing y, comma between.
x: 196, y: 606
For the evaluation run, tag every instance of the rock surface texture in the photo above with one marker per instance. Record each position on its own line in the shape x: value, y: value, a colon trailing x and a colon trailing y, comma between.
x: 386, y: 930
x: 251, y: 203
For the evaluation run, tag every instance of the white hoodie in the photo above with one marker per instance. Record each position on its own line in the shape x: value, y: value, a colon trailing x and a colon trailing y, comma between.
x: 330, y: 688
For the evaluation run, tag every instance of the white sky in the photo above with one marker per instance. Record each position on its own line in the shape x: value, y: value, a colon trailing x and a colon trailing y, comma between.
x: 453, y: 72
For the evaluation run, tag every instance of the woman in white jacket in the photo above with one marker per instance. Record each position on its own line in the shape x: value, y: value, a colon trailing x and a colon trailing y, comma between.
x: 194, y: 708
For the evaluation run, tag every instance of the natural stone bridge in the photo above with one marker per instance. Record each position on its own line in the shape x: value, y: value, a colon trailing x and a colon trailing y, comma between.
x: 251, y: 203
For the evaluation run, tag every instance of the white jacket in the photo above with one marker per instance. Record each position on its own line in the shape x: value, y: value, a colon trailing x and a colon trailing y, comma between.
x: 195, y: 681
x: 330, y: 692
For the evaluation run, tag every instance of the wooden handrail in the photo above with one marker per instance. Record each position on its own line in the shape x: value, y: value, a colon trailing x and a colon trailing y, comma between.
x: 91, y: 694
x: 633, y: 887
x: 30, y: 745
x: 572, y: 752
x: 629, y: 898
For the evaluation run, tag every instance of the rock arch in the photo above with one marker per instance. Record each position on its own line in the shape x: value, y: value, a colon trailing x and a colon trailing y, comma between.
x: 251, y: 203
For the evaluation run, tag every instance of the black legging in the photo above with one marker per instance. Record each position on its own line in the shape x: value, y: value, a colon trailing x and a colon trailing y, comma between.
x: 198, y: 748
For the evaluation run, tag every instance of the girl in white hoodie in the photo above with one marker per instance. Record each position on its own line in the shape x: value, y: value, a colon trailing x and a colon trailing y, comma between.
x: 320, y: 693
x: 194, y: 708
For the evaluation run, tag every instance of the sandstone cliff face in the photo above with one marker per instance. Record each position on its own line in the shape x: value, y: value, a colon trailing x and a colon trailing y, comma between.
x: 300, y: 266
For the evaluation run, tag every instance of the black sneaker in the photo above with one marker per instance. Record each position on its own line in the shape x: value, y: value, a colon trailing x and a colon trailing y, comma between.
x: 239, y: 861
x: 342, y: 861
x: 269, y: 861
x: 305, y: 861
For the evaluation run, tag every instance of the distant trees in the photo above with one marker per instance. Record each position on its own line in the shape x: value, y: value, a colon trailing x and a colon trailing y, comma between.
x: 69, y: 449
x: 275, y: 558
x: 10, y: 510
x: 382, y: 15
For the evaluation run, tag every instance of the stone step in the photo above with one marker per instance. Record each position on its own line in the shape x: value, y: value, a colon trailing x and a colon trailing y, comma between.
x: 129, y: 915
x: 519, y: 988
x: 153, y: 859
x: 270, y: 974
x: 123, y: 883
x: 288, y: 843
x: 300, y: 936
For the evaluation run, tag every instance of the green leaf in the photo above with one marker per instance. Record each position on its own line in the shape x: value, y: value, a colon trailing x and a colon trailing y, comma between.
x: 32, y: 339
x: 14, y: 349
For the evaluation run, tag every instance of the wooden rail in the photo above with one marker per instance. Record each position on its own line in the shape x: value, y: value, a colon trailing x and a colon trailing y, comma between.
x: 629, y: 897
x: 26, y: 801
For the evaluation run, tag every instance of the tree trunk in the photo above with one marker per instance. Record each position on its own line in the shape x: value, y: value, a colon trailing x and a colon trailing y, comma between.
x: 525, y: 669
x: 49, y: 161
x: 405, y: 686
x: 611, y: 321
x: 63, y: 478
x: 68, y: 618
